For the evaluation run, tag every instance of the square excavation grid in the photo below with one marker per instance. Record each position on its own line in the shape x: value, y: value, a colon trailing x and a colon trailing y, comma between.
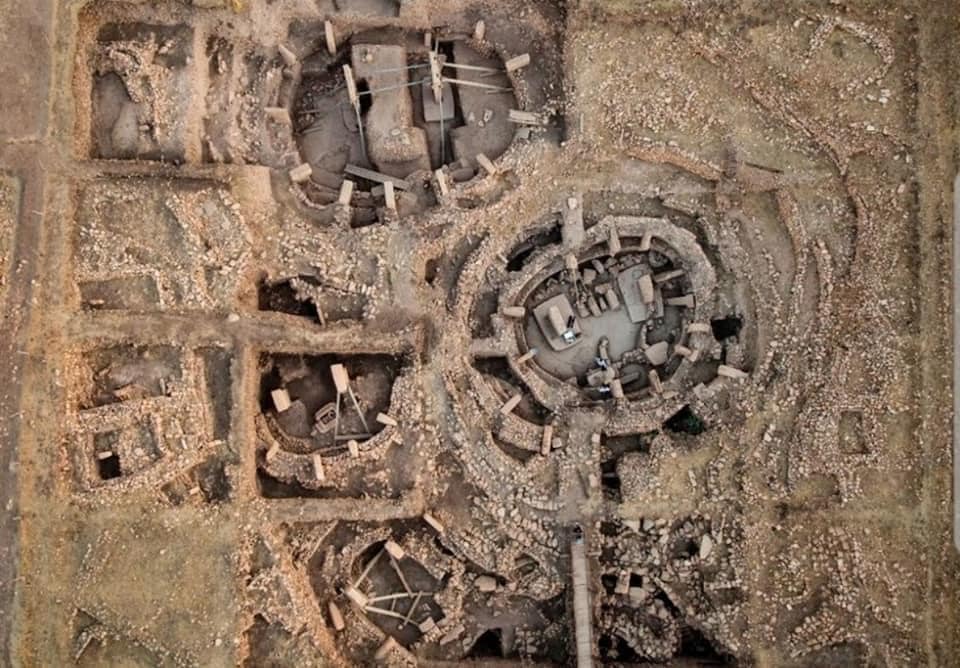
x: 508, y: 332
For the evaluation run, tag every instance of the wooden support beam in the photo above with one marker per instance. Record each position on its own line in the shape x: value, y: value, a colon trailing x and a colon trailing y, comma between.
x: 348, y: 437
x: 401, y: 595
x: 394, y: 550
x: 645, y: 284
x: 354, y: 98
x: 436, y: 78
x: 272, y: 452
x: 279, y: 115
x: 384, y: 612
x: 356, y: 406
x: 386, y: 420
x: 687, y: 301
x: 486, y: 163
x: 330, y: 38
x: 336, y: 617
x: 346, y: 192
x: 413, y: 607
x: 399, y: 572
x: 517, y: 62
x: 433, y: 522
x: 301, y: 173
x: 368, y: 568
x: 389, y: 196
x: 352, y: 94
x: 616, y: 388
x: 613, y: 241
x: 378, y: 177
x: 442, y: 186
x: 356, y: 596
x: 318, y: 471
x: 510, y: 404
x: 281, y: 399
x: 728, y: 371
x: 546, y: 440
x: 289, y: 57
x: 665, y: 276
x: 655, y: 383
x: 527, y: 356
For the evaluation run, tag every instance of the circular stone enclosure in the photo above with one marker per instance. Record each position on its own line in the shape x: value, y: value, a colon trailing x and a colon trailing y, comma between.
x: 376, y: 111
x: 620, y: 317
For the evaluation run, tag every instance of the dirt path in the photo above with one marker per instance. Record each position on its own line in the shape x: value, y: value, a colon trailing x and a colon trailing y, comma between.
x: 936, y: 167
x: 23, y: 126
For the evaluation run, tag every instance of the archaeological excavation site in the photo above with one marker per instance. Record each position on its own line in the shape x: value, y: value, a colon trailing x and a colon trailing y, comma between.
x: 479, y: 333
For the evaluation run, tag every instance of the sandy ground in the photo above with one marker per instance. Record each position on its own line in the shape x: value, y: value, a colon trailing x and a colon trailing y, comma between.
x: 25, y: 30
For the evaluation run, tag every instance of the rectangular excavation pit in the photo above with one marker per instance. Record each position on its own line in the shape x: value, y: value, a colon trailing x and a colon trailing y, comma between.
x: 297, y: 402
x: 139, y: 91
x: 621, y: 444
x: 365, y: 557
x: 146, y: 243
x: 105, y: 450
x: 245, y: 80
x: 218, y: 378
x: 498, y: 371
x: 307, y: 296
x: 206, y: 482
x: 117, y: 452
x: 851, y: 435
x: 383, y: 579
x: 128, y: 373
x: 610, y: 480
x: 308, y: 379
x: 133, y: 293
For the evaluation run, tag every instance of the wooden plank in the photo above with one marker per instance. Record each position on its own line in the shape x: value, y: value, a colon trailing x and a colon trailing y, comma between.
x: 486, y: 163
x: 351, y: 86
x: 517, y: 62
x: 330, y: 38
x: 346, y: 192
x: 389, y: 196
x: 301, y: 173
x: 510, y: 404
x: 378, y: 177
x: 278, y: 115
x: 289, y: 57
x: 436, y: 78
x: 442, y: 182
